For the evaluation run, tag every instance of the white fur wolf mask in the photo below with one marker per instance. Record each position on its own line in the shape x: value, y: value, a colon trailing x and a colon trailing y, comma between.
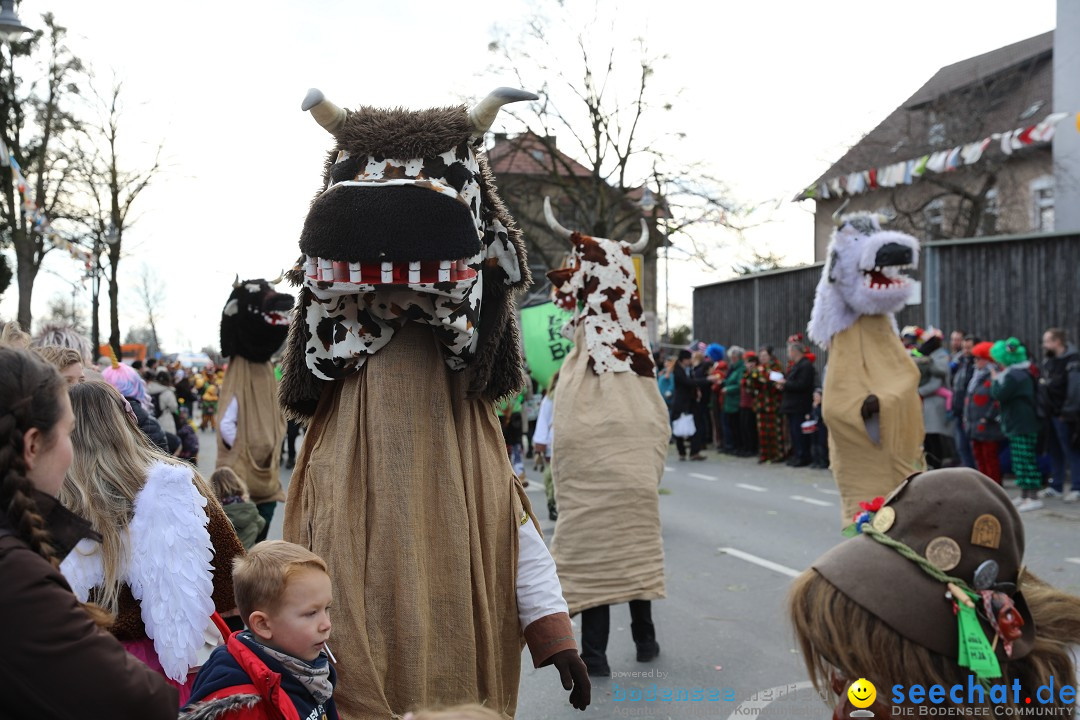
x: 862, y: 276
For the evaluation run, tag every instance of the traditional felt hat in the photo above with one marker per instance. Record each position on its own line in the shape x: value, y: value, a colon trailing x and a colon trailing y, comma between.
x: 982, y: 350
x: 1008, y: 352
x: 959, y: 523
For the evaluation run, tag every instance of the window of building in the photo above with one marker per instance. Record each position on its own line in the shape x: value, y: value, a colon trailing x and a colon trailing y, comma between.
x: 989, y: 220
x: 1032, y: 109
x: 1042, y: 204
x: 936, y: 136
x: 934, y: 217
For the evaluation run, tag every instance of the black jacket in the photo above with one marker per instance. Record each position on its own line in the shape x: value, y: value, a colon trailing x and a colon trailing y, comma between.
x: 1059, y: 385
x: 149, y: 426
x: 686, y: 390
x: 965, y: 370
x: 799, y: 388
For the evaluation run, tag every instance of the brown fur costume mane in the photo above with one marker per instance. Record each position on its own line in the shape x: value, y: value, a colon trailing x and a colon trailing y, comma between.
x: 496, y: 369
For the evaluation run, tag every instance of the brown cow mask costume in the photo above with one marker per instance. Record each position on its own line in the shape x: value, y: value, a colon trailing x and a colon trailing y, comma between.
x: 423, y: 237
x: 600, y: 277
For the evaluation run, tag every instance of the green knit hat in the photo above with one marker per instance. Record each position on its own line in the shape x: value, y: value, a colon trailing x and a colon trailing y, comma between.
x: 1008, y: 352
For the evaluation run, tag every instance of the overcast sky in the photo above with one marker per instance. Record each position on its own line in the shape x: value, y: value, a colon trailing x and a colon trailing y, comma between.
x: 772, y: 93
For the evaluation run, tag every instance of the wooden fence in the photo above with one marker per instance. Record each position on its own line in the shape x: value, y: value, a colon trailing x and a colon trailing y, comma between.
x: 991, y: 287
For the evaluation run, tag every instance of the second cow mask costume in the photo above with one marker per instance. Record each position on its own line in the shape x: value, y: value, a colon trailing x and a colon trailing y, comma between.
x: 404, y: 335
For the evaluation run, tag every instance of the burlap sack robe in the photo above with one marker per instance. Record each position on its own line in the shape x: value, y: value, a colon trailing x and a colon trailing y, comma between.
x: 394, y: 518
x: 867, y: 358
x: 611, y: 438
x: 260, y: 428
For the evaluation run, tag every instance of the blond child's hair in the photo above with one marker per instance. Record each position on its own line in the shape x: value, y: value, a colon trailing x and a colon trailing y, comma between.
x: 227, y: 484
x: 458, y: 712
x: 58, y: 356
x: 261, y: 576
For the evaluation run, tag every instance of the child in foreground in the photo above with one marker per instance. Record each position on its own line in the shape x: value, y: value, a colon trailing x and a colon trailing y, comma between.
x: 278, y: 667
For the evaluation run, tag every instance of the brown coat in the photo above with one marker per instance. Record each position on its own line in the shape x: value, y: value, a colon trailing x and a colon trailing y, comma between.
x: 56, y: 663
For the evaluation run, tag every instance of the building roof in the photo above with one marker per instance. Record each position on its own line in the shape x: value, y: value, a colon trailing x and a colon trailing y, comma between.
x: 1010, y: 86
x: 528, y: 154
x: 971, y: 71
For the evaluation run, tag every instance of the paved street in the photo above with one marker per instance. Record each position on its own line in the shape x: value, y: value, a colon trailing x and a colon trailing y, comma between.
x: 735, y: 533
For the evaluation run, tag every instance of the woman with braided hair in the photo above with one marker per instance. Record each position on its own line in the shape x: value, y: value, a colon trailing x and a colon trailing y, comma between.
x: 48, y: 637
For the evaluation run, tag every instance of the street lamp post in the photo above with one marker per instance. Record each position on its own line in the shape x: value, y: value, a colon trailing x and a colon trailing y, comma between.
x: 11, y: 28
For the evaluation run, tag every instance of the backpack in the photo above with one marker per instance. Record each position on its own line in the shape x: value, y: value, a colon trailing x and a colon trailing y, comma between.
x: 155, y: 401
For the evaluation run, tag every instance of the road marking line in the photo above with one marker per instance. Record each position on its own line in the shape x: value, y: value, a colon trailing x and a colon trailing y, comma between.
x: 827, y: 491
x: 668, y: 469
x: 699, y: 476
x: 1073, y: 560
x: 755, y: 488
x: 753, y: 707
x: 812, y: 501
x: 762, y: 562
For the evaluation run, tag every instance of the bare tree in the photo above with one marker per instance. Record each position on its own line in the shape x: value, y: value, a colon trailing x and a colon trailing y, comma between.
x: 151, y: 296
x: 110, y: 189
x: 63, y: 309
x: 34, y: 119
x: 613, y: 120
x: 759, y: 262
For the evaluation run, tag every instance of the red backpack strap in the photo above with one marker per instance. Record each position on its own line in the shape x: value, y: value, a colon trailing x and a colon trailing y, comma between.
x: 222, y: 627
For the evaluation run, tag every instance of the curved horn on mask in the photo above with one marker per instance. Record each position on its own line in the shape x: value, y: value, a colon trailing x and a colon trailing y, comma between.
x: 326, y: 113
x: 552, y: 222
x: 836, y: 215
x: 236, y: 282
x: 643, y: 241
x: 279, y: 278
x: 483, y: 115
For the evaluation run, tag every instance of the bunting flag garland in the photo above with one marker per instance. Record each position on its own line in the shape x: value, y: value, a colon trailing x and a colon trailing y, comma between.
x: 36, y: 216
x: 942, y: 161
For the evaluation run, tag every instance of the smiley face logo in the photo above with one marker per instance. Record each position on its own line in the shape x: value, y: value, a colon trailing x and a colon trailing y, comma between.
x: 862, y: 693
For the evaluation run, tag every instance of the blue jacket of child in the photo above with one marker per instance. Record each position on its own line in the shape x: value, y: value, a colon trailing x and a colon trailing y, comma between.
x: 242, y: 668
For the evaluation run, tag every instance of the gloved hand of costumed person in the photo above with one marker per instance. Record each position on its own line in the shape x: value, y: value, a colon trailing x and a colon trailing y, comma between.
x: 575, y: 677
x: 871, y: 406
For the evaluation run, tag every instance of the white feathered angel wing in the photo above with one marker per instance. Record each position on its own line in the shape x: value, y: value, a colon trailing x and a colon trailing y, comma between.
x: 82, y: 568
x: 169, y: 571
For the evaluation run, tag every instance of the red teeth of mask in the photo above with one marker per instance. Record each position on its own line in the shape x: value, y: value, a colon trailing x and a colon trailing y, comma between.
x: 387, y: 273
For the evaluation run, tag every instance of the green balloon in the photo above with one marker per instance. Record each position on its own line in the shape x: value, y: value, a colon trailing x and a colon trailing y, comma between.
x: 545, y: 347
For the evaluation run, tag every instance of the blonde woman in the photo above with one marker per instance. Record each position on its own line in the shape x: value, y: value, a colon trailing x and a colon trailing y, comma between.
x: 64, y: 359
x: 164, y: 564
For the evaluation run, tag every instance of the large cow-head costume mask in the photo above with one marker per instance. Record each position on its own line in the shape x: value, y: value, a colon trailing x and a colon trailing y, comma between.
x: 407, y: 228
x: 599, y: 278
x: 255, y: 320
